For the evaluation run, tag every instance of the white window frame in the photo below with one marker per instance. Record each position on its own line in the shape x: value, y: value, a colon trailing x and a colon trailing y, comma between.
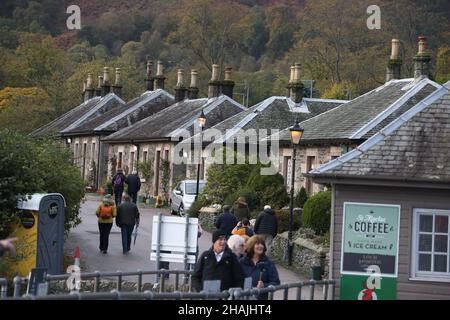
x: 428, y: 275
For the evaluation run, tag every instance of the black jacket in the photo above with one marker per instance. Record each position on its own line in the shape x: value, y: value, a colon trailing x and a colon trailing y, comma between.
x: 266, y: 223
x: 226, y: 221
x: 227, y: 270
x: 134, y: 183
x: 127, y: 214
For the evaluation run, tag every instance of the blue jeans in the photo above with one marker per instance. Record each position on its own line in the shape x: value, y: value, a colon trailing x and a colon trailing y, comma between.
x: 126, y: 232
x: 118, y: 196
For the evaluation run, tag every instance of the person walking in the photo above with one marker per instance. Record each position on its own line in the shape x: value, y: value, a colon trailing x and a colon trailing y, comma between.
x: 134, y: 185
x: 127, y: 217
x: 218, y: 263
x: 240, y: 209
x: 105, y: 212
x: 118, y: 180
x: 226, y: 221
x: 267, y: 225
x: 258, y: 266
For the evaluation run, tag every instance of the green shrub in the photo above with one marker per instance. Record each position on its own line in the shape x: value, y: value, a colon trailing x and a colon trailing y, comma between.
x: 250, y: 196
x: 283, y: 220
x: 269, y: 189
x: 300, y: 198
x: 317, y: 212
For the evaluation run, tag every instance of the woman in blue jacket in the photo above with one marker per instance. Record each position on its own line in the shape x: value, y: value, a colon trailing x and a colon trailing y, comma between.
x: 258, y: 266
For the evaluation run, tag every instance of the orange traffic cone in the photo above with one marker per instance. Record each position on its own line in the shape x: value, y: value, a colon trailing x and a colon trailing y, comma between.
x: 77, y: 256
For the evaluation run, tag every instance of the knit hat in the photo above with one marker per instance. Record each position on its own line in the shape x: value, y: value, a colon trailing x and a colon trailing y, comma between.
x: 107, y: 199
x: 217, y: 234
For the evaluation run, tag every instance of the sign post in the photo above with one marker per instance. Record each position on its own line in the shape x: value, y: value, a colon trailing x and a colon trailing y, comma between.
x: 369, y: 254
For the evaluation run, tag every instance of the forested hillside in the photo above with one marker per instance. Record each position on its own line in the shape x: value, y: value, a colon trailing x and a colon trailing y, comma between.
x: 43, y: 64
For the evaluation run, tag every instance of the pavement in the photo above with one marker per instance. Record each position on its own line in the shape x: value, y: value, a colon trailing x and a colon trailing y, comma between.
x: 86, y: 235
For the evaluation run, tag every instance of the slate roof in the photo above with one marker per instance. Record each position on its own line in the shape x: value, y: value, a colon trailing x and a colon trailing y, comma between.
x: 363, y: 116
x: 182, y: 115
x: 414, y: 147
x: 150, y: 102
x: 276, y: 112
x: 80, y: 114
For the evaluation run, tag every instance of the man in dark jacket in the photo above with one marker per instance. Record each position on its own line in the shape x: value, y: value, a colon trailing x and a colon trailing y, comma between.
x: 267, y: 225
x: 134, y: 185
x: 117, y: 182
x: 127, y: 217
x: 218, y: 263
x: 226, y: 221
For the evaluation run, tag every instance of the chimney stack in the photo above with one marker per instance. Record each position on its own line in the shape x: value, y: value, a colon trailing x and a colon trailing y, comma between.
x: 180, y: 89
x: 193, y: 88
x: 422, y: 60
x: 149, y: 80
x: 159, y: 79
x: 295, y: 86
x: 117, y: 87
x: 106, y: 87
x: 227, y: 83
x: 89, y: 91
x: 214, y: 83
x: 395, y: 63
x: 98, y: 91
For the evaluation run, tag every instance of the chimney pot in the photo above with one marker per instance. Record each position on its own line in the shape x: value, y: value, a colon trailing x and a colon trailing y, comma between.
x: 215, y: 72
x: 291, y: 77
x: 89, y: 81
x: 394, y: 49
x: 422, y: 45
x: 159, y: 69
x: 180, y: 81
x: 297, y: 72
x: 118, y: 79
x: 228, y: 71
x: 227, y: 83
x: 105, y: 75
x: 194, y: 77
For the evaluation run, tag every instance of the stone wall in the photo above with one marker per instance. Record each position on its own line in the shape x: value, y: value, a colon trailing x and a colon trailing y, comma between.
x: 207, y: 217
x: 305, y: 255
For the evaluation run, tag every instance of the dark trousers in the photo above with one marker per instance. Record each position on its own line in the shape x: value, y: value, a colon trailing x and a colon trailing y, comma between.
x: 118, y: 196
x: 105, y: 229
x: 126, y: 232
x: 133, y: 196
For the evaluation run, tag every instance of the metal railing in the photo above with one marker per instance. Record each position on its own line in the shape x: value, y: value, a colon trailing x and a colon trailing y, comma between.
x: 97, y: 276
x: 117, y: 294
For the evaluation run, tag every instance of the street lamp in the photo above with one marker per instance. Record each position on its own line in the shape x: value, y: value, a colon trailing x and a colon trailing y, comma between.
x: 201, y: 123
x: 296, y: 133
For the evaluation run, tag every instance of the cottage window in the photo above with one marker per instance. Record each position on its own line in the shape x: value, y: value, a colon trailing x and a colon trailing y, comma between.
x: 431, y: 244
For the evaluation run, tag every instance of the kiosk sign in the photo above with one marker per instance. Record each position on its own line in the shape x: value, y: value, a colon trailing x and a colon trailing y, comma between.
x: 370, y: 239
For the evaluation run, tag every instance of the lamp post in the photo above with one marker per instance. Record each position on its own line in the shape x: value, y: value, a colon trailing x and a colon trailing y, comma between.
x: 201, y: 122
x: 296, y: 133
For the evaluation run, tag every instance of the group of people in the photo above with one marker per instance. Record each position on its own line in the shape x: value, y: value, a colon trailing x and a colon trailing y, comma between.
x: 238, y: 251
x: 126, y: 215
x: 132, y: 180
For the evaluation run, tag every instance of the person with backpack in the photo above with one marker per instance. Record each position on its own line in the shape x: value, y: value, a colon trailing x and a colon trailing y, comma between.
x: 243, y: 228
x: 118, y: 180
x: 105, y: 212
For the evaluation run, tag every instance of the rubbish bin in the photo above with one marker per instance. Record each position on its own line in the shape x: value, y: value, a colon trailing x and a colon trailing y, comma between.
x: 316, y: 273
x: 40, y: 232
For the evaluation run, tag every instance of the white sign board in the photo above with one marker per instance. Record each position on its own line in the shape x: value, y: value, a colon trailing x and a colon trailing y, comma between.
x: 173, y: 239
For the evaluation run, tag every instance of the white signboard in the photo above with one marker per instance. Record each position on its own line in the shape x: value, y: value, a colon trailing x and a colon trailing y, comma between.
x: 173, y: 239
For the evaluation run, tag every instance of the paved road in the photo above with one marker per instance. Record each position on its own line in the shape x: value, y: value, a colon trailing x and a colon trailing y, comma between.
x: 87, y: 236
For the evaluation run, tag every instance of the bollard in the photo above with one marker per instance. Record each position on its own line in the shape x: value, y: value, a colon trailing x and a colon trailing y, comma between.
x: 139, y: 281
